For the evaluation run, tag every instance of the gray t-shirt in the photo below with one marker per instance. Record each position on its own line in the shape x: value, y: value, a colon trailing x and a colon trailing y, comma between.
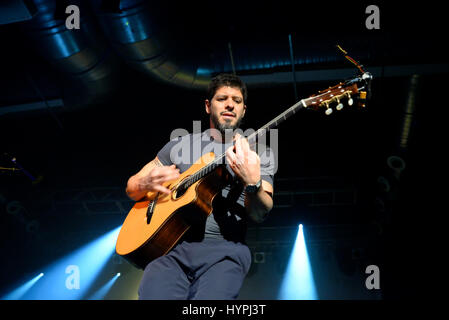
x: 229, y: 223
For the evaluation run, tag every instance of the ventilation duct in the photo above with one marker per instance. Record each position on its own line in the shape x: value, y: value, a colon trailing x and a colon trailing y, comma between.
x: 141, y: 44
x: 130, y: 28
x: 81, y: 54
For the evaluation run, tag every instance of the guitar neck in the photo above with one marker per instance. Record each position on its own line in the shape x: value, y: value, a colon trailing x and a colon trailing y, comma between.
x: 276, y: 121
x: 252, y: 138
x: 322, y: 99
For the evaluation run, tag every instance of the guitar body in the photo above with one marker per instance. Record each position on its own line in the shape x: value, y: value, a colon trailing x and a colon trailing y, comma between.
x: 142, y: 240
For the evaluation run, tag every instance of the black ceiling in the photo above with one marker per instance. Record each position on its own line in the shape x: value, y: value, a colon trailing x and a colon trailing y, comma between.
x: 103, y: 142
x: 199, y: 35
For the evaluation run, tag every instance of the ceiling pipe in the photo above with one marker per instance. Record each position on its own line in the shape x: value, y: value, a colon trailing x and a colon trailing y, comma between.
x: 81, y: 55
x: 140, y: 43
x: 86, y: 57
x: 133, y: 33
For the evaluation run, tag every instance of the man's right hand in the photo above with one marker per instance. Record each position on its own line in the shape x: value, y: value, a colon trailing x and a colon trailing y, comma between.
x: 151, y: 179
x: 155, y: 179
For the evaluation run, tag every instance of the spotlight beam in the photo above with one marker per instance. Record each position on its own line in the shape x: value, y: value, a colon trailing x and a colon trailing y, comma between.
x: 23, y: 289
x: 101, y: 293
x: 298, y: 283
x: 71, y: 277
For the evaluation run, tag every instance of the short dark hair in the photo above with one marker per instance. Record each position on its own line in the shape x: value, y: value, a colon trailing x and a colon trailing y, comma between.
x: 229, y: 80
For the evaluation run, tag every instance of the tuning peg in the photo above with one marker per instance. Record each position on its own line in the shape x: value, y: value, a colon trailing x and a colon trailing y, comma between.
x: 328, y: 110
x: 339, y: 105
x: 350, y: 101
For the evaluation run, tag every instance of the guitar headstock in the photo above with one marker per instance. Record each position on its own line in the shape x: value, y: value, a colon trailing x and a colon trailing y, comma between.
x: 344, y: 92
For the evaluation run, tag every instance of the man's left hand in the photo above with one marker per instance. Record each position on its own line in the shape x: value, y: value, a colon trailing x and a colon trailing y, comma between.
x: 243, y: 161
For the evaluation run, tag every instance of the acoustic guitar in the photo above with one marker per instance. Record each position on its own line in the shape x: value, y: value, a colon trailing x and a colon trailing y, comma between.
x: 156, y: 224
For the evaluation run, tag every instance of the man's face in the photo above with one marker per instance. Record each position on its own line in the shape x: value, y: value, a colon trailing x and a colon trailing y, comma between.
x: 226, y: 108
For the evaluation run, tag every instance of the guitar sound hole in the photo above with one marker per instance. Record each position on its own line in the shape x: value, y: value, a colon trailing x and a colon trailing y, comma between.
x: 180, y: 191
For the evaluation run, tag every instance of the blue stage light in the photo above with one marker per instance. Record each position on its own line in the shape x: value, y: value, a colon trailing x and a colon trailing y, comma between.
x: 23, y: 289
x: 298, y: 283
x: 71, y: 277
x: 101, y: 293
x: 203, y: 71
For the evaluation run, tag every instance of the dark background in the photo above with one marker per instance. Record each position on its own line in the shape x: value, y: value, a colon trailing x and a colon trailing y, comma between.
x: 115, y: 117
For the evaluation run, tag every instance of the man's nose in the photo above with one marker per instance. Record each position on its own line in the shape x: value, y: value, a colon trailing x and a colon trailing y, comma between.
x: 230, y: 104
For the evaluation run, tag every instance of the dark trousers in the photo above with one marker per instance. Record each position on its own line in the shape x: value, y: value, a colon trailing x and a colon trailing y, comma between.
x: 209, y: 270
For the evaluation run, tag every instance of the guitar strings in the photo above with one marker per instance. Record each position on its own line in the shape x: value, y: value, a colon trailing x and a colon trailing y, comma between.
x: 214, y: 163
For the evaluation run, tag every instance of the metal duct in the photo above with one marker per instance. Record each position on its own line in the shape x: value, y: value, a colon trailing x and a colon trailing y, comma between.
x: 16, y: 10
x: 133, y: 33
x: 81, y: 54
x: 138, y: 41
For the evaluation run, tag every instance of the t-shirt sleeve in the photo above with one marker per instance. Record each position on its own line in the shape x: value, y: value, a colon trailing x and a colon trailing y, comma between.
x: 267, y: 164
x: 164, y: 154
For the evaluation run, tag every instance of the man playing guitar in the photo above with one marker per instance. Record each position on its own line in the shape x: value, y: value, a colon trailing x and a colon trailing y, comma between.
x: 212, y: 259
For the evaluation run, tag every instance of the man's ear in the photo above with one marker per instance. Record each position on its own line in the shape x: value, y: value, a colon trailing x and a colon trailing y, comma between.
x: 207, y: 105
x: 244, y: 110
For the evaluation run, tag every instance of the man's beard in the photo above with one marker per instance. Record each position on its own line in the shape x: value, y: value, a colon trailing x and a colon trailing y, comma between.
x: 226, y: 128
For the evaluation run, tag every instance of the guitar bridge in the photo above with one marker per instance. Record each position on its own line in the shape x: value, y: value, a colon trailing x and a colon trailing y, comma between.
x: 150, y: 210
